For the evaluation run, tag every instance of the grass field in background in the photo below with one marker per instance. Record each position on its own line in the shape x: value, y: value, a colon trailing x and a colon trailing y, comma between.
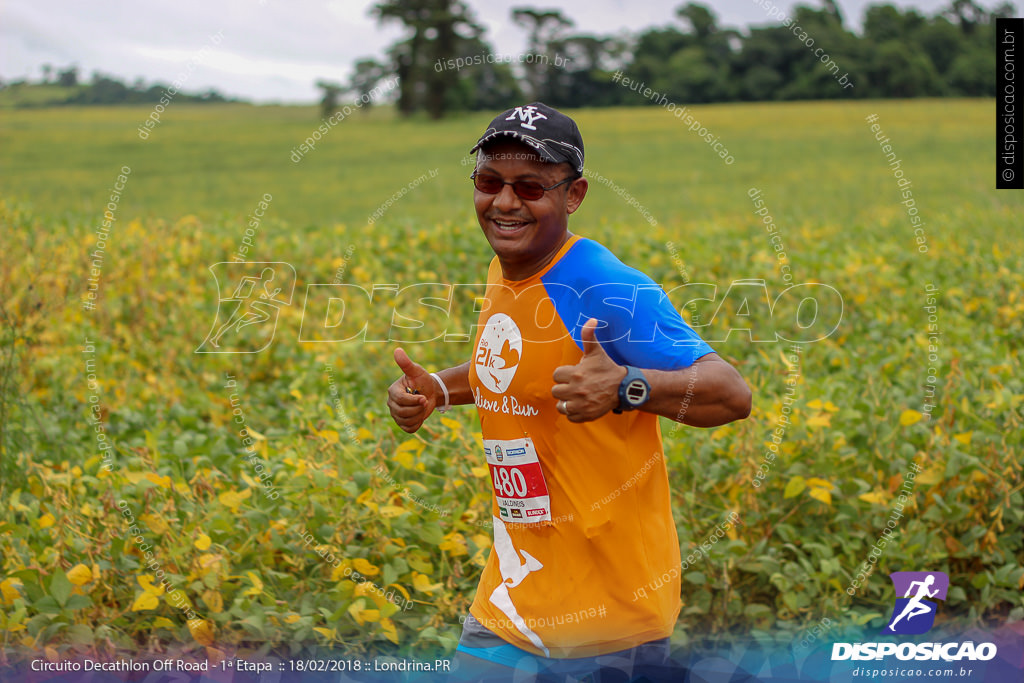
x: 409, y: 512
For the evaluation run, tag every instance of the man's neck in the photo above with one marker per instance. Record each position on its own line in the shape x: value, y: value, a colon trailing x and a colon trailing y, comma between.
x: 518, y: 271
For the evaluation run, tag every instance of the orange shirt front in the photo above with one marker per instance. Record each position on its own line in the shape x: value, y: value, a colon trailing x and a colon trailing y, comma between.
x: 581, y: 512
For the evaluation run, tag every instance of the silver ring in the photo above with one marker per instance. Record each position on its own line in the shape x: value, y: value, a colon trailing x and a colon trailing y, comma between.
x: 565, y: 407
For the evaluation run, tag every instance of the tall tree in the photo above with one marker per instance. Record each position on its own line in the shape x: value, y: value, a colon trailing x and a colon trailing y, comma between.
x: 329, y: 102
x: 436, y: 29
x: 366, y: 74
x: 806, y: 76
x: 967, y: 13
x: 833, y: 9
x: 68, y: 77
x: 585, y: 77
x: 697, y: 69
x: 543, y: 28
x: 652, y: 51
x: 484, y: 85
x: 702, y: 21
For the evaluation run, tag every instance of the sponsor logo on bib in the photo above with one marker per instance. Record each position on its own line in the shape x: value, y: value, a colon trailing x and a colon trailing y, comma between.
x: 520, y: 489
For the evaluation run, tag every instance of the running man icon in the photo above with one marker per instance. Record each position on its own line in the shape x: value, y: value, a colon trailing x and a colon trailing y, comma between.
x: 913, y: 614
x: 915, y: 608
x: 250, y: 310
x: 253, y: 305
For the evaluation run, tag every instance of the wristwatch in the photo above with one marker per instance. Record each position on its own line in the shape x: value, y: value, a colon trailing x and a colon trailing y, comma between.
x: 634, y: 390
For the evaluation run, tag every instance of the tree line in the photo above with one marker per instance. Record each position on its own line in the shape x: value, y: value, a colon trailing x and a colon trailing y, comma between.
x: 444, y: 63
x: 101, y: 89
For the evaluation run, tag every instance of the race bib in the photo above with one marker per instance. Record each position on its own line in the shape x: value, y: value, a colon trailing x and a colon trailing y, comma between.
x: 518, y: 480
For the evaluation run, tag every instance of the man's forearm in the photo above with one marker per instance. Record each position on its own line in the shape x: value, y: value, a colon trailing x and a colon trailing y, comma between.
x: 456, y: 379
x: 706, y: 394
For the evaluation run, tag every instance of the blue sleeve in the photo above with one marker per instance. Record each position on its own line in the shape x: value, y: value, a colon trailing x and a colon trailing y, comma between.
x: 637, y: 324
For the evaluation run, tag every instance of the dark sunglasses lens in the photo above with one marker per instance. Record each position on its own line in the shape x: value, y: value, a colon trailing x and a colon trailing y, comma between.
x: 528, y: 190
x: 524, y: 189
x: 488, y: 184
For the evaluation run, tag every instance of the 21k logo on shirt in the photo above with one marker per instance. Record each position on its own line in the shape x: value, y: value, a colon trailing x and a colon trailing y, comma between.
x: 498, y: 353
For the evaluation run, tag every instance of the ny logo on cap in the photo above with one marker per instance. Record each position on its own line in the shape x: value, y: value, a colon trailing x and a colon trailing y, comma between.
x: 527, y: 115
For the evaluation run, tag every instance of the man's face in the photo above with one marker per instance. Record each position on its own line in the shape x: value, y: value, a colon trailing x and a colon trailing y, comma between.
x: 525, y: 234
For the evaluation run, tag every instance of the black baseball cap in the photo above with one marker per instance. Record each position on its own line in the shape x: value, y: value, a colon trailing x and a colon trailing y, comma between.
x: 554, y: 135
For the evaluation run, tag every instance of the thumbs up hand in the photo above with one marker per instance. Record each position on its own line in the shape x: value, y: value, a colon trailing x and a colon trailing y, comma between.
x: 589, y: 389
x: 413, y: 396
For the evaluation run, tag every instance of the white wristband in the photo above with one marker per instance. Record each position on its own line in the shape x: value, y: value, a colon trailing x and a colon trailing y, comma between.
x: 444, y: 389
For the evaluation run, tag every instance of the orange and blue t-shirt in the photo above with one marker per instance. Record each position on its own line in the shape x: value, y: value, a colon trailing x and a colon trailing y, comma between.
x: 581, y: 512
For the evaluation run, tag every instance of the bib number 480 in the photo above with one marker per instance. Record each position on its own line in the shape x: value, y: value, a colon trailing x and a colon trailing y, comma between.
x: 509, y: 482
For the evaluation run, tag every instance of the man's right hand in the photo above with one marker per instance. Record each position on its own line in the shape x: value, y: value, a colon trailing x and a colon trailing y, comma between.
x: 410, y: 410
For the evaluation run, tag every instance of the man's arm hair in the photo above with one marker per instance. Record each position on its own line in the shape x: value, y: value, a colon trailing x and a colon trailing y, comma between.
x: 709, y: 393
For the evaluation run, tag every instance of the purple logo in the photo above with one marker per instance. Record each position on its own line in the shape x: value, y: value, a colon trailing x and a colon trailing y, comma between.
x: 914, y: 613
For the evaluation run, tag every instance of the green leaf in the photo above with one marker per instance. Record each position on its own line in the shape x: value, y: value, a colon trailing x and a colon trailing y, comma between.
x: 31, y: 583
x: 46, y: 605
x: 78, y: 602
x: 865, y: 618
x: 696, y: 578
x: 795, y: 487
x: 420, y: 561
x: 431, y: 534
x: 15, y: 617
x: 37, y: 623
x: 254, y: 623
x: 60, y: 587
x: 80, y: 634
x: 151, y: 444
x: 400, y: 565
x: 756, y: 609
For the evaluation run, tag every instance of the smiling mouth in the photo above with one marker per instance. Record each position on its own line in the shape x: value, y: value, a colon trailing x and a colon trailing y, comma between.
x: 504, y: 225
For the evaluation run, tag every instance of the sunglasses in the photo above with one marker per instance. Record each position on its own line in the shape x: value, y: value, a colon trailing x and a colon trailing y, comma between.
x: 525, y: 189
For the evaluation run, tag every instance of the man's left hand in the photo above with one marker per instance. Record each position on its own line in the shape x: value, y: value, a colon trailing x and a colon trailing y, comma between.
x: 589, y: 389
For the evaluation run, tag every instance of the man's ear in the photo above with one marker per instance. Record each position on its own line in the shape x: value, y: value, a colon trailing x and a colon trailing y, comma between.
x: 577, y: 191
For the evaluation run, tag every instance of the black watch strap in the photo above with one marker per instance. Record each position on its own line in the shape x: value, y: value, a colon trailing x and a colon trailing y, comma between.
x: 634, y: 390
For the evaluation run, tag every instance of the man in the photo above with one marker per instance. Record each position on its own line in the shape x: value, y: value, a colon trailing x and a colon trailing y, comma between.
x: 575, y: 357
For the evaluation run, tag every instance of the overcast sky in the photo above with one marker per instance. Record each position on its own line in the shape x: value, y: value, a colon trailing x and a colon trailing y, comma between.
x: 274, y: 50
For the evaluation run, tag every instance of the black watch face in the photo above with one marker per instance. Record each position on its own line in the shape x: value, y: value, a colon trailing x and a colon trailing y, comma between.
x: 636, y: 392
